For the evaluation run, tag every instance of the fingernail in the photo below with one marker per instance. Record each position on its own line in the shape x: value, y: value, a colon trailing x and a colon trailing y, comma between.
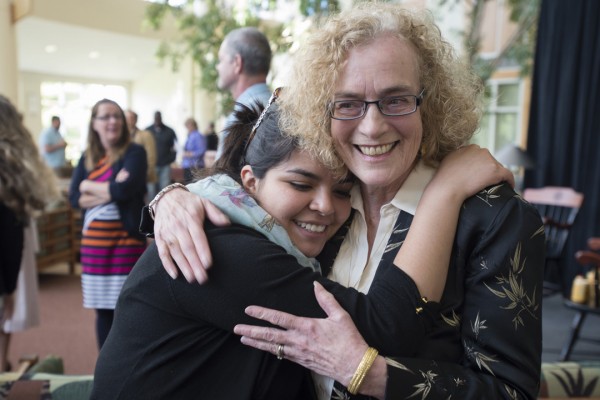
x: 205, y: 261
x: 172, y: 274
x: 189, y: 279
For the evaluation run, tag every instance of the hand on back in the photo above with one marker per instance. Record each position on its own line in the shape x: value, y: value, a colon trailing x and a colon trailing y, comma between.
x: 468, y: 170
x: 179, y: 233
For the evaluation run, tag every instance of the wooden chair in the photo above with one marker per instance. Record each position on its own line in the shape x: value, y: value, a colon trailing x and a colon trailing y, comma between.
x: 588, y: 259
x: 558, y: 207
x: 594, y: 243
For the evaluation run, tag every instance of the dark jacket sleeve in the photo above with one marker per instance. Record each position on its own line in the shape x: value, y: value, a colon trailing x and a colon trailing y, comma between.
x: 250, y: 270
x: 136, y: 163
x: 129, y: 194
x: 11, y: 249
x: 79, y: 174
x: 500, y: 320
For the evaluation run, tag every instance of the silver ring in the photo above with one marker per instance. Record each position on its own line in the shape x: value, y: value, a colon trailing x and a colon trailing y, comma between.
x: 280, y: 353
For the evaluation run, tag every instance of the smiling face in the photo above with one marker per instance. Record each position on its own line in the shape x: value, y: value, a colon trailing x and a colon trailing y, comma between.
x: 108, y: 123
x: 380, y: 150
x: 304, y: 198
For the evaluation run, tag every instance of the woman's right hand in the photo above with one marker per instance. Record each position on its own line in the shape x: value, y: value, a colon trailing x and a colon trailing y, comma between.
x: 179, y: 233
x: 468, y: 170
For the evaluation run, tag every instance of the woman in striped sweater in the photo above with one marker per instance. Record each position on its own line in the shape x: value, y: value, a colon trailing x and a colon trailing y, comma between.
x: 109, y: 186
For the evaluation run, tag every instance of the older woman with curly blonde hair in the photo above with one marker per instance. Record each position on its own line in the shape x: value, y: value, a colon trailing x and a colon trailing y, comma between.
x: 451, y: 107
x: 378, y: 91
x: 26, y: 185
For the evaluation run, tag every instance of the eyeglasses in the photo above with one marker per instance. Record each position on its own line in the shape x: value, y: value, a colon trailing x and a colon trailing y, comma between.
x: 392, y: 106
x: 272, y: 99
x: 109, y: 116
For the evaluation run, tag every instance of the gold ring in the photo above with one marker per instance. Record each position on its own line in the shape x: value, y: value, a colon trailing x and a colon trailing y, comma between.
x: 280, y: 352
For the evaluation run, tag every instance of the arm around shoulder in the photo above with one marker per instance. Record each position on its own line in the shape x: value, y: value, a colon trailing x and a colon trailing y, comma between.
x: 502, y: 241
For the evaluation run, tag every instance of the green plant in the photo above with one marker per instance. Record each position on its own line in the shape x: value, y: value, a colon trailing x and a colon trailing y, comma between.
x: 519, y: 48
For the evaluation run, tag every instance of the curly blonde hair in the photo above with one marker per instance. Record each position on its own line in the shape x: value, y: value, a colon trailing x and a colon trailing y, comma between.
x: 451, y: 107
x: 26, y: 182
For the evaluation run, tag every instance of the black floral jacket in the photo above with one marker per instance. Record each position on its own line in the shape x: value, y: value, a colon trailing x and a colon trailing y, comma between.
x: 487, y: 342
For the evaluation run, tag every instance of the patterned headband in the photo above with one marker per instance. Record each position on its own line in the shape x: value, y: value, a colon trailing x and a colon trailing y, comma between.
x: 274, y: 97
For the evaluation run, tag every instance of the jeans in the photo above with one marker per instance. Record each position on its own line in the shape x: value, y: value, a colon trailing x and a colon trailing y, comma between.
x: 164, y: 177
x: 150, y: 191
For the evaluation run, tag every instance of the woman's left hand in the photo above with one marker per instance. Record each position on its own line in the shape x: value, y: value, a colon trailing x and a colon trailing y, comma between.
x: 329, y: 346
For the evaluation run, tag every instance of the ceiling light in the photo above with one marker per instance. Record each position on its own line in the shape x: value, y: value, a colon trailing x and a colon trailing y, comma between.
x: 94, y: 55
x: 50, y: 48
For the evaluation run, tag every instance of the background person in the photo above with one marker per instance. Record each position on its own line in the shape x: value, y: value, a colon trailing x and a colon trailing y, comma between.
x: 244, y: 63
x: 165, y: 139
x: 380, y: 85
x: 212, y: 143
x: 53, y: 145
x: 146, y: 140
x: 108, y: 185
x: 212, y: 139
x: 193, y: 151
x: 26, y: 185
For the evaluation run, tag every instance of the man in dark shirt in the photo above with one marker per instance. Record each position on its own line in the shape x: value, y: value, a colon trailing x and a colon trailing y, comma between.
x: 165, y: 138
x: 212, y: 139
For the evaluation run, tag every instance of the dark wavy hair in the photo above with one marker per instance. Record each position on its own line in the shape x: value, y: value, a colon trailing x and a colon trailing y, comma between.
x: 26, y: 182
x: 267, y: 148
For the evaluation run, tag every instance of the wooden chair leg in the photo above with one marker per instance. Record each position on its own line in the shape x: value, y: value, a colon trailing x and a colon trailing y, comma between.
x: 578, y: 320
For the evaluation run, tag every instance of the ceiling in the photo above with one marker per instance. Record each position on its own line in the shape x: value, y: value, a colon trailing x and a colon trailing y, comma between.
x: 82, y: 52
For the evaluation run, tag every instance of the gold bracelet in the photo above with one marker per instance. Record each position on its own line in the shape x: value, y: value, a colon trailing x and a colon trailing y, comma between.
x: 362, y: 369
x: 160, y: 194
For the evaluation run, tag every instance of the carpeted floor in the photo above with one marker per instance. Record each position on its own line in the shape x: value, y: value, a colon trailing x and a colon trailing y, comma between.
x: 67, y: 329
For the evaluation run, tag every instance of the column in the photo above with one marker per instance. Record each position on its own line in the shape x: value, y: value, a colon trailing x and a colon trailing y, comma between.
x: 8, y: 49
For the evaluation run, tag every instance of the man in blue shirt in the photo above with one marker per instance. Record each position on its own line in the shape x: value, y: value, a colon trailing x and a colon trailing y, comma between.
x: 52, y: 145
x: 244, y: 62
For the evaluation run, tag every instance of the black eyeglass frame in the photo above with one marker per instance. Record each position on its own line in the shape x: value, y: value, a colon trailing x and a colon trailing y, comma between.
x: 418, y: 101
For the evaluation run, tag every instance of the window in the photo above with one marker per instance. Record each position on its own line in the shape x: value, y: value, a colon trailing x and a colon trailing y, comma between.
x: 501, y: 122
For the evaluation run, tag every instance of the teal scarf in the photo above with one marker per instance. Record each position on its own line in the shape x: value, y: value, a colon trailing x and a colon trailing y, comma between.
x: 241, y: 208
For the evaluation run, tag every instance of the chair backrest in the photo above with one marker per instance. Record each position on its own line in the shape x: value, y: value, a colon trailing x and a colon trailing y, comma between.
x: 594, y: 243
x: 588, y: 258
x: 558, y: 207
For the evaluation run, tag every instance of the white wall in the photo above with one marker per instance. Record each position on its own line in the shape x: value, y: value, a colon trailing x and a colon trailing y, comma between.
x: 176, y: 95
